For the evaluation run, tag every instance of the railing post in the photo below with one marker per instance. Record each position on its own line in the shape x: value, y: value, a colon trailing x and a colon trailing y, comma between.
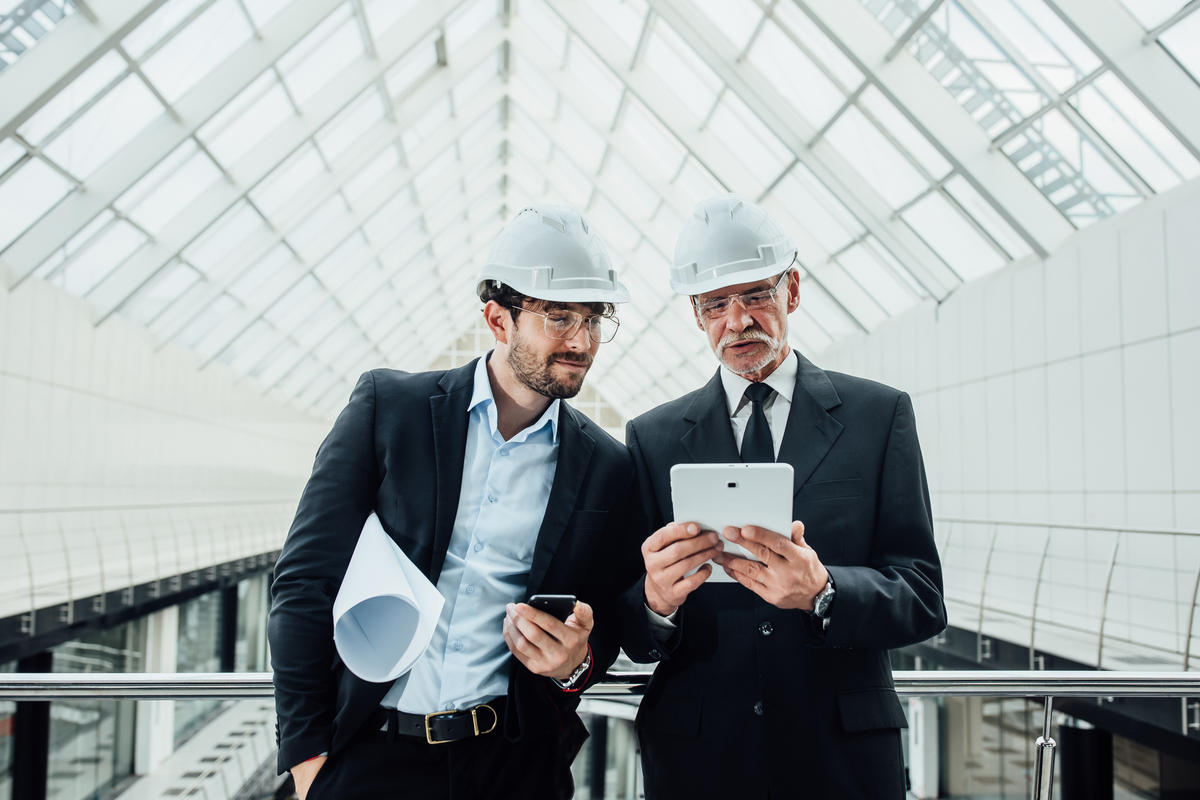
x: 1043, y: 759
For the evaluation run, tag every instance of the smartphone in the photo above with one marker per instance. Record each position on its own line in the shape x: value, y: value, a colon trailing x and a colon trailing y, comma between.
x: 559, y: 606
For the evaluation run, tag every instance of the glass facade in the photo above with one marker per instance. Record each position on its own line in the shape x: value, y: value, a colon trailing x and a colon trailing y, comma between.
x: 92, y: 741
x: 250, y: 654
x: 199, y: 651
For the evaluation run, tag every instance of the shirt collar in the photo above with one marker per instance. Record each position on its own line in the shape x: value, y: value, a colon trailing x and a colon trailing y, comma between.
x: 782, y: 380
x: 482, y: 393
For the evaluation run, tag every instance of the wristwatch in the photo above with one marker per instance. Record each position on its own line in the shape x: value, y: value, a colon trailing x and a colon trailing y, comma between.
x: 576, y: 676
x: 823, y: 601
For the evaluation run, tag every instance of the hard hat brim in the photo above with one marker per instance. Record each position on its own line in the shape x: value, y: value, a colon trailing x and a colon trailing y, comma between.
x: 617, y: 294
x: 732, y: 278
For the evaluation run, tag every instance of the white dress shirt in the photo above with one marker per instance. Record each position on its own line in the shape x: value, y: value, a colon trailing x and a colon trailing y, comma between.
x: 505, y: 488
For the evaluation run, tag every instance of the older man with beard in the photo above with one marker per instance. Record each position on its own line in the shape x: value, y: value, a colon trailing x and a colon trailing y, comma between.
x: 775, y: 681
x: 497, y: 490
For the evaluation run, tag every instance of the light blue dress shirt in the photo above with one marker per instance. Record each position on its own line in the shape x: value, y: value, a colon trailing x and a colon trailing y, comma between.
x: 505, y: 488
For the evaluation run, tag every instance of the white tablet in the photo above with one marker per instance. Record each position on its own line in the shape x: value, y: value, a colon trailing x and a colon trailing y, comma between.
x: 720, y: 495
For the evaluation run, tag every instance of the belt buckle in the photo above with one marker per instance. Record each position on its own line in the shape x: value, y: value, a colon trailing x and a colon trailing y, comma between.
x: 474, y: 722
x: 429, y: 731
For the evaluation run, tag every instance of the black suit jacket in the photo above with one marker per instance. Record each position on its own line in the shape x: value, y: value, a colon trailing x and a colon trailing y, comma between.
x: 749, y: 698
x: 397, y: 449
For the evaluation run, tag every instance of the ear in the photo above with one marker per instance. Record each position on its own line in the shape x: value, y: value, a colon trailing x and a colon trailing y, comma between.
x: 793, y: 284
x: 498, y: 319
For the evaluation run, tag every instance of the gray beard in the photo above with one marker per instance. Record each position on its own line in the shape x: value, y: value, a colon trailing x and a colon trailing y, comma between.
x: 774, y: 348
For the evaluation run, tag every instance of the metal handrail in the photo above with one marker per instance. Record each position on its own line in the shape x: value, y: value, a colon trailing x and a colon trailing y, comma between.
x: 940, y: 683
x: 1050, y: 527
x: 1045, y: 685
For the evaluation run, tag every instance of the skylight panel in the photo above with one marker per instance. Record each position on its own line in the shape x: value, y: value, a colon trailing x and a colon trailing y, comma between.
x: 223, y: 236
x: 793, y: 74
x: 666, y: 151
x: 258, y: 275
x: 403, y: 77
x: 369, y: 176
x: 246, y: 120
x: 263, y: 11
x: 489, y: 122
x: 642, y: 199
x: 349, y: 127
x: 824, y: 312
x: 545, y: 25
x: 586, y: 144
x: 169, y: 188
x: 825, y: 219
x: 250, y: 345
x: 471, y: 83
x: 1182, y: 41
x: 876, y: 280
x: 220, y: 309
x: 104, y: 128
x: 402, y: 206
x: 594, y: 78
x: 196, y: 50
x: 749, y: 139
x: 819, y: 47
x: 698, y: 181
x: 383, y: 14
x: 344, y: 262
x: 80, y: 241
x: 902, y: 130
x: 573, y: 183
x: 296, y: 303
x: 736, y: 19
x: 318, y: 324
x: 952, y: 237
x: 692, y: 80
x: 625, y: 17
x: 468, y: 20
x: 160, y: 291
x: 1134, y: 132
x: 1152, y: 13
x: 286, y: 182
x: 427, y: 123
x: 544, y: 97
x: 316, y: 222
x: 10, y: 153
x: 1044, y: 39
x: 986, y: 215
x: 159, y: 25
x: 22, y: 32
x: 28, y: 193
x: 487, y: 164
x: 613, y: 226
x: 321, y: 55
x: 272, y: 365
x: 81, y: 91
x: 869, y: 151
x: 435, y: 169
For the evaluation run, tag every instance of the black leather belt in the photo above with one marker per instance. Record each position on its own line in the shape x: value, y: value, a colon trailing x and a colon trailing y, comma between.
x: 441, y: 727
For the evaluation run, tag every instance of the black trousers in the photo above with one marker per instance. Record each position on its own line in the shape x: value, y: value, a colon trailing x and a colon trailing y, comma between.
x: 487, y: 767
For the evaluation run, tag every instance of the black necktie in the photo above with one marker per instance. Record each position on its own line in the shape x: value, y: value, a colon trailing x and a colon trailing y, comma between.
x: 757, y: 446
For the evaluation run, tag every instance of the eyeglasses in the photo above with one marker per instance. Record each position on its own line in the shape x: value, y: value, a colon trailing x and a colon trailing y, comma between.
x: 719, y: 307
x: 563, y: 324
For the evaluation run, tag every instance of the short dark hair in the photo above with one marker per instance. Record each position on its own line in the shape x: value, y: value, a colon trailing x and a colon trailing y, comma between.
x: 508, y: 297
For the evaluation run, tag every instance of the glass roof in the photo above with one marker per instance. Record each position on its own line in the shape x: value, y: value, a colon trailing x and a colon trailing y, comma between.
x: 299, y: 190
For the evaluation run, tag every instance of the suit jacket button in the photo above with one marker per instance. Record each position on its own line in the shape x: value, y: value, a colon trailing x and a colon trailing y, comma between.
x: 766, y: 629
x: 758, y: 708
x: 655, y: 655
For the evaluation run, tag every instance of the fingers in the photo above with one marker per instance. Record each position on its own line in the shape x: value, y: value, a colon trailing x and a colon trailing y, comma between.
x: 676, y: 572
x: 693, y: 582
x: 768, y: 542
x: 582, y: 616
x: 668, y: 534
x: 535, y: 625
x: 745, y: 572
x: 798, y: 534
x: 677, y: 551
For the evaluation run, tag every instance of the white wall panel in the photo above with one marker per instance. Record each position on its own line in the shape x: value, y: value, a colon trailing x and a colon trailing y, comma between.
x: 121, y: 465
x: 1064, y: 391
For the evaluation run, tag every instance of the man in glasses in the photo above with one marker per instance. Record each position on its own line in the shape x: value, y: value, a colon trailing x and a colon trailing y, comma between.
x: 775, y: 679
x: 497, y: 490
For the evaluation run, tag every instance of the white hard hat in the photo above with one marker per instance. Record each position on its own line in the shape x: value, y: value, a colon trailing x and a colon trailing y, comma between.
x: 726, y: 242
x: 550, y: 253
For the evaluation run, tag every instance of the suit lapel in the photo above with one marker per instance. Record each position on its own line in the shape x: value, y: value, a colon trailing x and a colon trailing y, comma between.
x: 811, y: 431
x: 449, y: 412
x: 574, y: 453
x: 711, y: 438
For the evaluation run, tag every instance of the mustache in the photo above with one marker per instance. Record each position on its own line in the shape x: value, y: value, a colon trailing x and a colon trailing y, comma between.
x: 748, y: 335
x: 579, y: 358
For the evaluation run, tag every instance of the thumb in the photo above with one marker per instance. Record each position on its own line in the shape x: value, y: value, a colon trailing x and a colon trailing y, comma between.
x: 798, y: 534
x: 583, y: 615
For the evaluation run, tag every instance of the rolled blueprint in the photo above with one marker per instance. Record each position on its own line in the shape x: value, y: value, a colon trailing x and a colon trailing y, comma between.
x: 386, y: 611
